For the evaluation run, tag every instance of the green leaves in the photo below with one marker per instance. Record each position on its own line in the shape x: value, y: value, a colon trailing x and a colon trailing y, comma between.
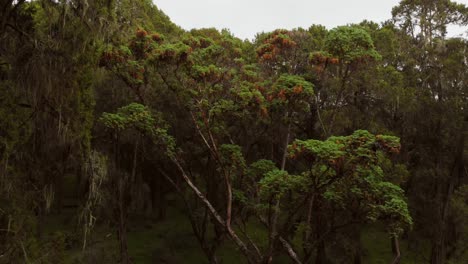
x: 139, y: 117
x: 276, y: 183
x: 391, y: 207
x: 133, y: 115
x: 231, y: 156
x: 293, y: 84
x: 351, y: 44
x: 324, y: 150
x: 207, y: 73
x: 347, y: 171
x: 131, y: 62
x: 258, y: 169
x: 291, y: 92
x: 172, y: 52
x: 360, y: 145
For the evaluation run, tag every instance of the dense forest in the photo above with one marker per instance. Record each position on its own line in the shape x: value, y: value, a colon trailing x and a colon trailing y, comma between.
x: 126, y: 139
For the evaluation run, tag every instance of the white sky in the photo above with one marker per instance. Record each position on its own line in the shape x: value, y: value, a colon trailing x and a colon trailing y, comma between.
x: 245, y: 18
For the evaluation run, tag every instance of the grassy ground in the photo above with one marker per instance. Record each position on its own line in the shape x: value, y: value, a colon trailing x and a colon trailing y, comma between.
x: 171, y: 241
x: 377, y: 248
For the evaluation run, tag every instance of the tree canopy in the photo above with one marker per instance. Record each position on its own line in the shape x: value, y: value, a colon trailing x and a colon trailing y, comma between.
x: 126, y: 139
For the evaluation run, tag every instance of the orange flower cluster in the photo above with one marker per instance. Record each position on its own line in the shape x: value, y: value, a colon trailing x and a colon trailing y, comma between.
x: 298, y: 89
x: 319, y: 58
x: 334, y: 60
x: 141, y: 33
x: 295, y: 150
x: 210, y: 75
x: 389, y: 148
x: 282, y: 95
x: 263, y: 111
x: 278, y: 41
x: 167, y: 54
x: 111, y: 57
x: 156, y: 37
x: 267, y: 56
x: 336, y: 163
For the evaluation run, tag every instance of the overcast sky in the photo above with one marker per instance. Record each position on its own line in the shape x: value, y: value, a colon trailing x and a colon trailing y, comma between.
x: 245, y: 18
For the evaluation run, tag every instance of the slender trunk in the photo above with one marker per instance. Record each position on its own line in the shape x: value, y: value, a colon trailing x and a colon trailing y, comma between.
x: 285, y: 150
x: 291, y: 253
x: 199, y: 230
x: 438, y: 251
x: 135, y: 152
x: 309, y: 216
x: 274, y: 220
x: 122, y: 230
x: 213, y: 258
x: 216, y: 216
x: 392, y: 245
x: 59, y: 181
x: 320, y: 258
x: 306, y: 238
x: 344, y: 79
x: 396, y: 250
x: 229, y: 201
x: 357, y: 258
x: 320, y: 230
x: 161, y: 203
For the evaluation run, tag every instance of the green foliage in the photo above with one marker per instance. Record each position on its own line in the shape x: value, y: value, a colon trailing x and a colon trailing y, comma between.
x: 260, y: 168
x: 430, y: 17
x: 360, y: 146
x: 177, y: 52
x: 209, y: 73
x: 394, y: 208
x: 139, y: 117
x: 292, y: 92
x: 130, y: 62
x: 12, y: 130
x: 276, y: 183
x: 318, y: 33
x: 324, y: 150
x: 232, y: 157
x: 356, y: 175
x: 232, y: 106
x: 351, y: 44
x: 459, y: 205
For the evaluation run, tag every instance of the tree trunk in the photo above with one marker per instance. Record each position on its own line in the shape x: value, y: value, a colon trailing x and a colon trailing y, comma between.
x: 122, y: 227
x: 320, y: 257
x: 251, y: 256
x: 161, y: 202
x: 396, y: 250
x: 438, y: 251
x: 357, y: 254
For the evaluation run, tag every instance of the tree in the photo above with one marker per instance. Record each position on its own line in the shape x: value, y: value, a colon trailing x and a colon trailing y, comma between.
x: 132, y: 117
x: 427, y: 20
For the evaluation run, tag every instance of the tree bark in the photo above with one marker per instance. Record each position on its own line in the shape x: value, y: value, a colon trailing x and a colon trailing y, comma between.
x: 438, y: 251
x: 396, y: 250
x: 252, y: 258
x: 122, y: 230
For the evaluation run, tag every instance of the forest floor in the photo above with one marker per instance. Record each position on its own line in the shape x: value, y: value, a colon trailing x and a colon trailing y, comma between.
x: 171, y: 241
